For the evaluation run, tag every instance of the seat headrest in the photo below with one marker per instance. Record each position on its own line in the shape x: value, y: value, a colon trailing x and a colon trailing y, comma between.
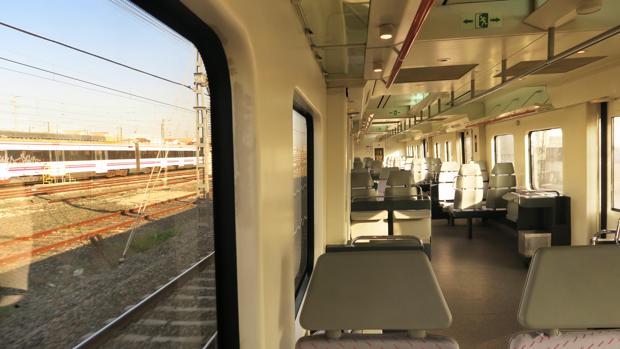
x: 401, y: 177
x: 503, y: 168
x: 433, y: 161
x: 374, y: 290
x: 450, y: 166
x: 572, y: 287
x: 482, y: 164
x: 470, y: 169
x: 361, y: 180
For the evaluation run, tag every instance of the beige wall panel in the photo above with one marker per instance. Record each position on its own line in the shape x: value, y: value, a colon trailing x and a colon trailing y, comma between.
x: 262, y: 102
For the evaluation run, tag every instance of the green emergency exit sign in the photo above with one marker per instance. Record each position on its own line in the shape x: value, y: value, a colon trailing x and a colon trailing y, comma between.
x: 482, y: 20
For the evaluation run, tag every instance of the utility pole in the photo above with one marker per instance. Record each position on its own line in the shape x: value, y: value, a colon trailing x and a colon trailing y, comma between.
x: 203, y: 144
x: 163, y: 130
x: 49, y: 127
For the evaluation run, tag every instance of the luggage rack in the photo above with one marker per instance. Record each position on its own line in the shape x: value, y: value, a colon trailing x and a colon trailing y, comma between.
x: 603, y: 236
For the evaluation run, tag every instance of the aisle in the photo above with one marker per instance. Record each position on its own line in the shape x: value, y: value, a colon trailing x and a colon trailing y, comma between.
x: 482, y: 281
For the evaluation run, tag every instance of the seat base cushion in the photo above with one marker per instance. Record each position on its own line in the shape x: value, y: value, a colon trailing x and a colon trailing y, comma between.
x: 604, y: 339
x: 378, y: 341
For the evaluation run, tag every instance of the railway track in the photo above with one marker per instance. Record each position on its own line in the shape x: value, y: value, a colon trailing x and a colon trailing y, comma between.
x: 51, y: 241
x: 180, y: 314
x: 104, y: 183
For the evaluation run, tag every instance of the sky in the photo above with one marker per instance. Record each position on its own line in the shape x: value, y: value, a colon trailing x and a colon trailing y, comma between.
x: 33, y: 100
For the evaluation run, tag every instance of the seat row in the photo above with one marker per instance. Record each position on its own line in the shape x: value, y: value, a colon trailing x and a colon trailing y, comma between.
x: 401, y: 209
x: 377, y: 297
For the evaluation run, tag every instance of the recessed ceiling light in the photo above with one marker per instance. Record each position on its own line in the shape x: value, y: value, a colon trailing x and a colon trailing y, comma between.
x: 385, y: 31
x: 444, y: 59
x: 377, y: 67
x: 581, y: 51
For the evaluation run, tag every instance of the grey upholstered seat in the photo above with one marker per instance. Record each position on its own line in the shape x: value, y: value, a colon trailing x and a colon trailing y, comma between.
x: 568, y: 290
x: 408, y: 222
x: 347, y: 291
x: 485, y: 177
x: 469, y: 187
x: 366, y: 222
x: 501, y: 182
x: 433, y: 167
x: 447, y: 176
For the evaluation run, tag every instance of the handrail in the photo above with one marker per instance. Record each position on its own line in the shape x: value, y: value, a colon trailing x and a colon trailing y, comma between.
x: 423, y: 10
x: 106, y: 332
x: 371, y: 238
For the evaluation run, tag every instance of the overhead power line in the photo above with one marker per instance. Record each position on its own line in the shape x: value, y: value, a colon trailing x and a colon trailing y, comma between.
x: 92, y: 54
x: 93, y: 83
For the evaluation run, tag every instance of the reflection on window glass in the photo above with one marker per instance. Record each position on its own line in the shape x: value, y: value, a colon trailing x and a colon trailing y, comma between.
x: 616, y: 162
x: 546, y: 159
x: 105, y: 176
x: 504, y: 149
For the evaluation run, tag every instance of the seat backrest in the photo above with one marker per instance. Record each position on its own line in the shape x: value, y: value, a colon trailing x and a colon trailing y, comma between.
x: 501, y: 182
x: 348, y: 291
x: 377, y: 164
x: 368, y: 162
x: 469, y: 187
x: 357, y: 163
x: 433, y: 167
x: 400, y: 183
x: 361, y: 180
x: 485, y: 176
x: 419, y: 170
x: 571, y: 288
x: 386, y: 171
x: 445, y: 180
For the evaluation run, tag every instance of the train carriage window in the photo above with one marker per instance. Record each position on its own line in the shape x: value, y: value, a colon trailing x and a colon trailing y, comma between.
x: 546, y: 159
x: 448, y: 151
x: 504, y: 148
x: 70, y: 267
x: 303, y: 191
x: 437, y: 151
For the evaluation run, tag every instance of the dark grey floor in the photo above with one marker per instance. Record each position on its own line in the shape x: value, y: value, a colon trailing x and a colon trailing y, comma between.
x: 482, y: 281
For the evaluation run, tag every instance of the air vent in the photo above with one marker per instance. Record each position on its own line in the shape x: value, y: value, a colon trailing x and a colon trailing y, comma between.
x: 439, y: 73
x: 563, y: 66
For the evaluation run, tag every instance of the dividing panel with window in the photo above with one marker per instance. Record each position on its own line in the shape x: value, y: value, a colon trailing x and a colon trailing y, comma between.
x: 504, y: 148
x: 546, y: 159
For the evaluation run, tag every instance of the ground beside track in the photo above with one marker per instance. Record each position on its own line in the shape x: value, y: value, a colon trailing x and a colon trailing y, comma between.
x: 72, y: 294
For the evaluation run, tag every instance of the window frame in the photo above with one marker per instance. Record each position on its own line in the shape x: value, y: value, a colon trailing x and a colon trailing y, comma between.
x: 300, y: 289
x: 530, y: 157
x: 495, y: 146
x: 187, y: 24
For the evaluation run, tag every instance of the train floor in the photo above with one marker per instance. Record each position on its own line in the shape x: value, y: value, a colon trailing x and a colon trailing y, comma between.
x: 482, y: 280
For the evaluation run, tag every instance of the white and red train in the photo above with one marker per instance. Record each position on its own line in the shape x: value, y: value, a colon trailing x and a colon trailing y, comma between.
x: 29, y: 161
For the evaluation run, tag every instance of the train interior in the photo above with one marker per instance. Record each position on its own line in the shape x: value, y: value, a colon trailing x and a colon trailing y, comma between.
x: 310, y: 174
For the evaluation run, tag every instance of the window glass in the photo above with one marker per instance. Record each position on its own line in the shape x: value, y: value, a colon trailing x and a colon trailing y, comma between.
x: 616, y: 162
x: 437, y: 151
x: 102, y: 231
x: 504, y: 148
x: 447, y: 151
x: 301, y: 226
x: 546, y: 158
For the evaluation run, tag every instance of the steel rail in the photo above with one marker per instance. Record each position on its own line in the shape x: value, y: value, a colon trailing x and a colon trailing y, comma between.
x: 108, y: 331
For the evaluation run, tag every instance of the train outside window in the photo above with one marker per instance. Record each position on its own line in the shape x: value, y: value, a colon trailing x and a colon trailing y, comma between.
x: 546, y: 159
x: 504, y: 148
x: 303, y: 217
x: 88, y: 230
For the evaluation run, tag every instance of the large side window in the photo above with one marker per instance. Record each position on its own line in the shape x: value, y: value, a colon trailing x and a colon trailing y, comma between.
x: 615, y: 166
x: 504, y: 148
x: 303, y: 201
x: 437, y: 151
x: 467, y: 145
x: 447, y: 151
x: 115, y: 77
x: 546, y: 158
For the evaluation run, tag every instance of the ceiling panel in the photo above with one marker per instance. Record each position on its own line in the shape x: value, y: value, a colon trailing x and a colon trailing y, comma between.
x: 562, y: 66
x: 437, y: 73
